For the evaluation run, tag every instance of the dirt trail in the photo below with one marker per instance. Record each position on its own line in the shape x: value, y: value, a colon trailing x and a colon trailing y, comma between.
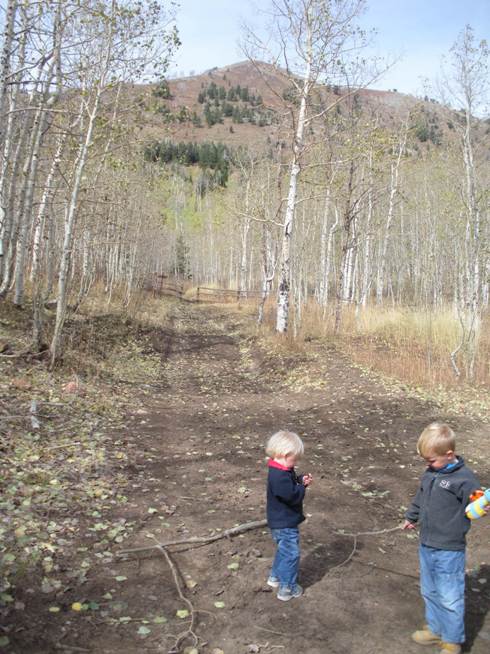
x: 197, y: 465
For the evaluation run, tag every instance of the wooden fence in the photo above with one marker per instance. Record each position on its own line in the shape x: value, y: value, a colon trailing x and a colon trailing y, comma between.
x: 205, y: 294
x: 163, y: 285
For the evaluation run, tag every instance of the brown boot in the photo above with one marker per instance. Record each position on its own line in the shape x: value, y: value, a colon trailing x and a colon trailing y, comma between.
x: 450, y: 648
x: 425, y: 637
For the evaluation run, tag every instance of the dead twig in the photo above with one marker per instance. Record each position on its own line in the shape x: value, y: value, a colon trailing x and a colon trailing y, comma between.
x: 16, y: 355
x: 356, y: 536
x: 277, y: 633
x: 56, y: 447
x: 239, y: 529
x: 369, y: 564
x: 340, y: 565
x: 370, y: 533
x: 189, y: 632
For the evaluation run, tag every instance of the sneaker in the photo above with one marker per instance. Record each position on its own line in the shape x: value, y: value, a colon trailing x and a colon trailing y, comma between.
x: 450, y: 648
x: 273, y: 582
x: 425, y: 637
x: 285, y: 594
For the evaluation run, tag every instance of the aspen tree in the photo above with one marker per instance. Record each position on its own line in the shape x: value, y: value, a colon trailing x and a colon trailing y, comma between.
x: 311, y: 36
x: 469, y: 86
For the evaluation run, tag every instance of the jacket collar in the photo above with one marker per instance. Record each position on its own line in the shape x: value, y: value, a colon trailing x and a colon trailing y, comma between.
x: 274, y: 464
x: 450, y: 467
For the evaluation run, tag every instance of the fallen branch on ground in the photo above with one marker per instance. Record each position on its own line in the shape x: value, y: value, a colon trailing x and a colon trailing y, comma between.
x: 369, y: 533
x: 378, y: 532
x: 161, y: 547
x: 200, y: 540
x: 16, y: 355
x: 189, y: 632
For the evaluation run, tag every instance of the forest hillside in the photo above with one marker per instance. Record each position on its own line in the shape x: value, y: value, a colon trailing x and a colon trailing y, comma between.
x: 189, y: 265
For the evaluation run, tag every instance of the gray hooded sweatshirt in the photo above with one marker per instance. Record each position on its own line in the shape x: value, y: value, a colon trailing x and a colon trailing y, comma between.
x: 439, y: 506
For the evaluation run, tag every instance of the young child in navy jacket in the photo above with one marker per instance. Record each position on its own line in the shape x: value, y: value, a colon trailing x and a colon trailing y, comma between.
x: 285, y: 493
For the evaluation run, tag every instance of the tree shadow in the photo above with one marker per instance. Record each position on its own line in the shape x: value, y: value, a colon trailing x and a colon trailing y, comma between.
x: 477, y: 604
x: 323, y: 558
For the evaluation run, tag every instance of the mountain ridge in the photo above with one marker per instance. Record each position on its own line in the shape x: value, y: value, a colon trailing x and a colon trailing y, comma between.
x: 181, y: 109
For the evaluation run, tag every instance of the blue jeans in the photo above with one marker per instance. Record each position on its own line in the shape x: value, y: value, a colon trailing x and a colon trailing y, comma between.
x: 285, y: 566
x: 442, y: 586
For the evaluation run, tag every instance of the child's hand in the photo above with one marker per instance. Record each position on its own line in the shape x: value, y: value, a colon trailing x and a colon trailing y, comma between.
x: 307, y: 479
x: 408, y: 525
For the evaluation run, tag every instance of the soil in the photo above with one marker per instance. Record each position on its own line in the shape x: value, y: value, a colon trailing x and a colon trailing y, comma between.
x: 197, y: 466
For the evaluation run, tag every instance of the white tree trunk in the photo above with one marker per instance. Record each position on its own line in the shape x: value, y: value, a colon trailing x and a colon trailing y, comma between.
x: 395, y: 168
x: 284, y: 274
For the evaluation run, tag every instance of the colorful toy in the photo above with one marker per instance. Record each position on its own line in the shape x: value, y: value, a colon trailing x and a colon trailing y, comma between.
x: 476, y: 509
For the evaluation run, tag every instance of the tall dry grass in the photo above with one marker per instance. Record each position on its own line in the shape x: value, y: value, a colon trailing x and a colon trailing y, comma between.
x: 410, y: 344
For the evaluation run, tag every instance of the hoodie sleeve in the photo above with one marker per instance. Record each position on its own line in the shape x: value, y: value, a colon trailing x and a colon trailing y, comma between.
x: 413, y: 511
x: 467, y: 487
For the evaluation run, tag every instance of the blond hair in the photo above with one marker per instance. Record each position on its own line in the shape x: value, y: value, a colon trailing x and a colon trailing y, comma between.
x: 283, y: 443
x: 437, y: 438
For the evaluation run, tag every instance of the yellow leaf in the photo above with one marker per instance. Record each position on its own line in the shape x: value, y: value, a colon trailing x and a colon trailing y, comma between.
x: 76, y: 606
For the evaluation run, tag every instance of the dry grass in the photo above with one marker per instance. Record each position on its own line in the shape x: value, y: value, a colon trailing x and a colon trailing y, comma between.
x: 409, y: 344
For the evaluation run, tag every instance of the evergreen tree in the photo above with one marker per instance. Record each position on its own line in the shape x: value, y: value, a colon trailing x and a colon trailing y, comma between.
x: 182, y: 267
x: 162, y: 90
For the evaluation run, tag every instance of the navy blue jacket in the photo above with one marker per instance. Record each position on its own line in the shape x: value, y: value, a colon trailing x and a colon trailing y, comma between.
x: 439, y: 506
x: 285, y: 493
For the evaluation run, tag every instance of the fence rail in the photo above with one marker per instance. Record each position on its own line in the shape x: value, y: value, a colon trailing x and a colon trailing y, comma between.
x: 162, y: 285
x: 203, y: 294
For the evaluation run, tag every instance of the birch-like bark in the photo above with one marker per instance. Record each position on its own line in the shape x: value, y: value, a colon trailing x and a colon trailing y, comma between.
x: 44, y: 204
x: 7, y: 127
x: 395, y: 168
x: 366, y: 265
x: 30, y: 172
x: 285, y: 268
x: 70, y: 214
x: 5, y: 61
x: 244, y: 233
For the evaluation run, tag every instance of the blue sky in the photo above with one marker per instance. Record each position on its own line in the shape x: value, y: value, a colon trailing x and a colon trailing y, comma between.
x: 419, y: 32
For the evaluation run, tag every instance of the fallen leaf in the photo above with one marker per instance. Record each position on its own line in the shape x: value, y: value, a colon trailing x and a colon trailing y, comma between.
x: 144, y: 631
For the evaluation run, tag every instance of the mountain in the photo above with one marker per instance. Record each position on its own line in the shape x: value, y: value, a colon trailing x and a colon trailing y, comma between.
x: 243, y: 104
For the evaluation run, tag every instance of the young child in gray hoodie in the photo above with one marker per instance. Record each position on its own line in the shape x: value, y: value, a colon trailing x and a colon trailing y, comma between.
x: 438, y: 509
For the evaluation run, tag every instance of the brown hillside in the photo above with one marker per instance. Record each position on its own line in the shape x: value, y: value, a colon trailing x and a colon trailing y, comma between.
x: 172, y: 117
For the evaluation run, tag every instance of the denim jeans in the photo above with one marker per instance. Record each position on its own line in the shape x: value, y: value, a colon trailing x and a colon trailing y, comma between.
x: 285, y: 566
x: 442, y: 586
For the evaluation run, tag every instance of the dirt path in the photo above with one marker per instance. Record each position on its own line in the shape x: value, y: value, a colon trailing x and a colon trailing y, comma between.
x: 197, y: 466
